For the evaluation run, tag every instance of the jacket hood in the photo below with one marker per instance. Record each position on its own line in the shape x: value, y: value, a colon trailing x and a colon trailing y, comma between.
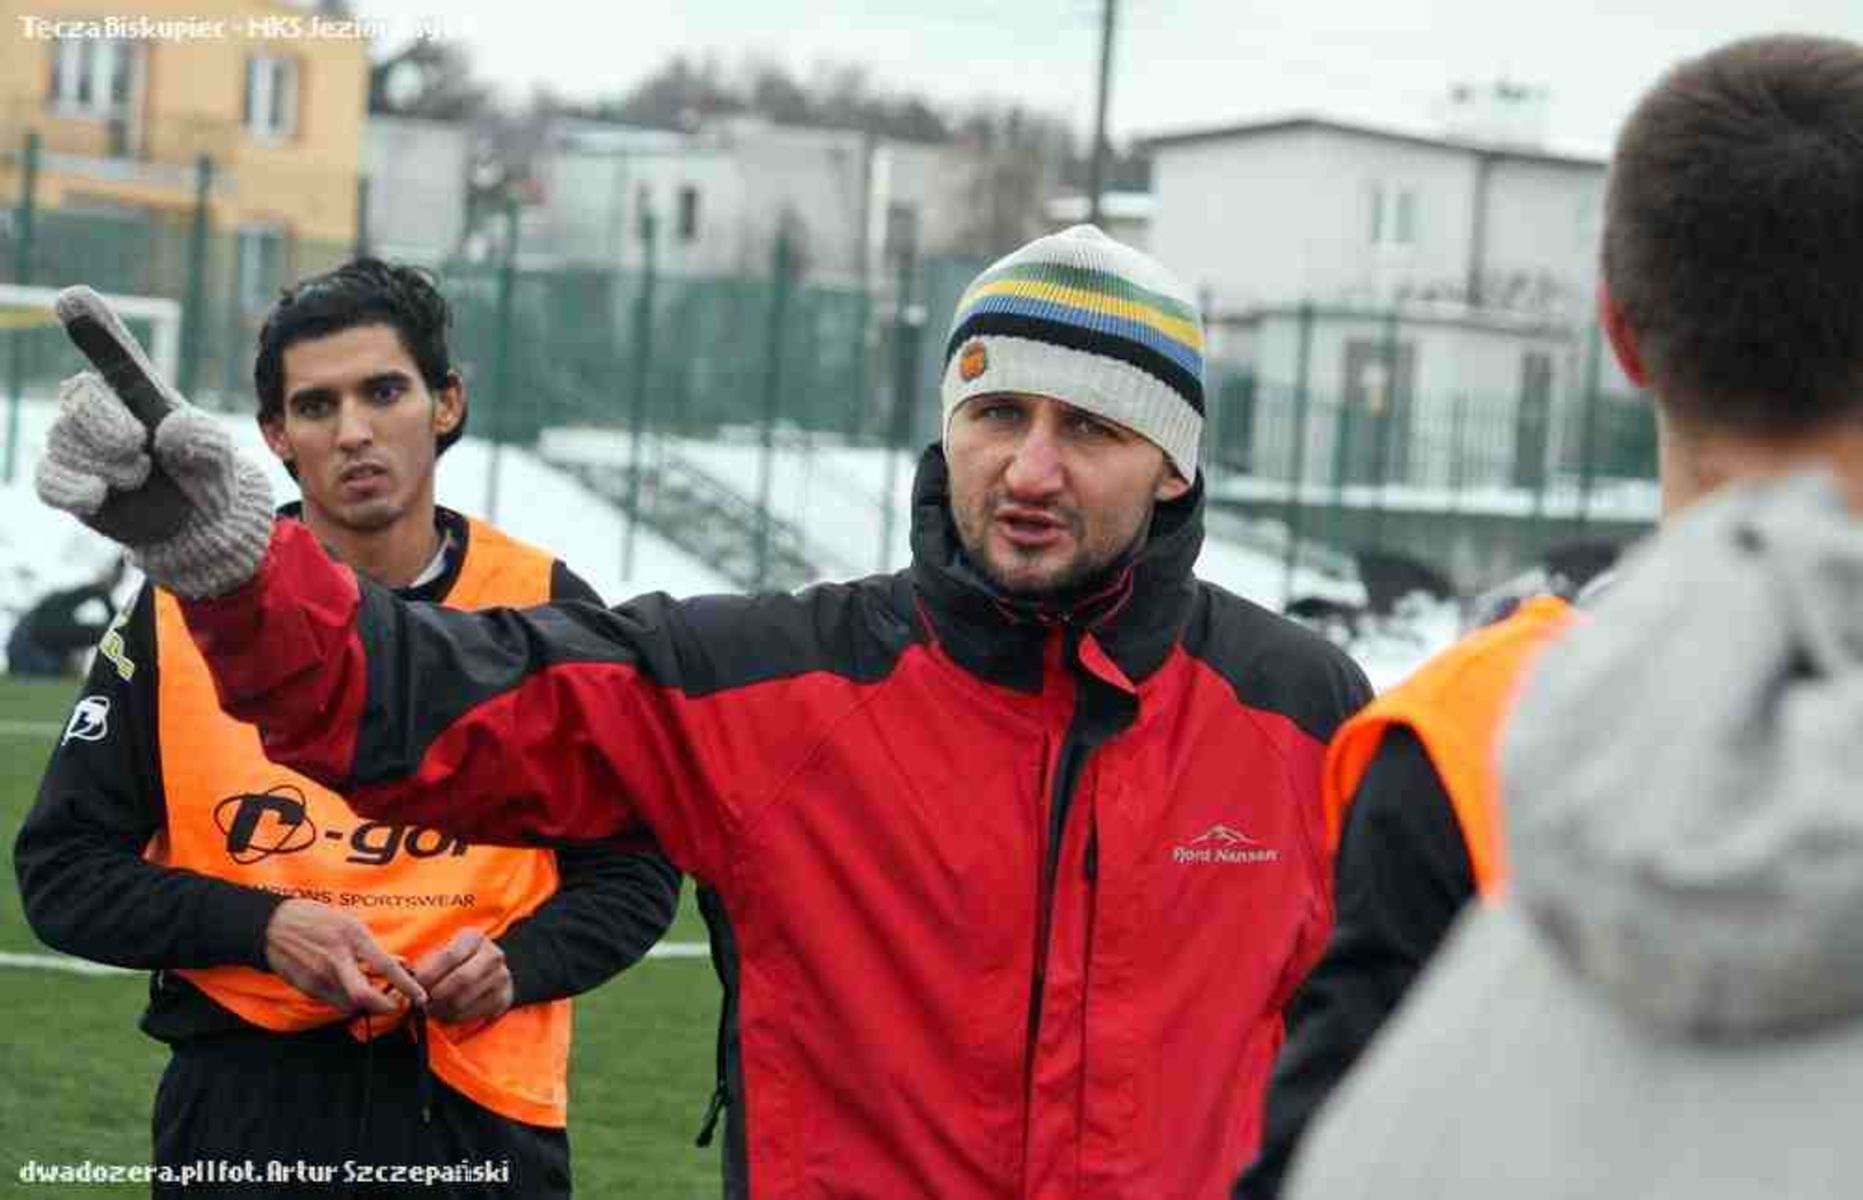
x: 1135, y: 612
x: 1681, y: 772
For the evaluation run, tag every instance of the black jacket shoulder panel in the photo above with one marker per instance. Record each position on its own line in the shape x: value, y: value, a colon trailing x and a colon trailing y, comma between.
x: 566, y: 585
x: 1402, y: 877
x: 853, y: 630
x: 697, y: 647
x: 1275, y: 664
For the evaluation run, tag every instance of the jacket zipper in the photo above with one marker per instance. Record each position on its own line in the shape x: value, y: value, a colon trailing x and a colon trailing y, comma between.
x: 1069, y: 766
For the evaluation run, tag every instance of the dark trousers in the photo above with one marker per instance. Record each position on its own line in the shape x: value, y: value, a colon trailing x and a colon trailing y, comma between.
x: 331, y: 1103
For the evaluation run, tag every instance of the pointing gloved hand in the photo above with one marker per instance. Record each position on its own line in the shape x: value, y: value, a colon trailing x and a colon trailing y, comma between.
x: 133, y: 460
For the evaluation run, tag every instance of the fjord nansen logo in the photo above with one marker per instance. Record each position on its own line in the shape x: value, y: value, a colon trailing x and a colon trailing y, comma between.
x: 1221, y: 845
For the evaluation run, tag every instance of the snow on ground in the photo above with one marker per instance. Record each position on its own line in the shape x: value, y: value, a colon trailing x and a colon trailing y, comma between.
x: 1617, y: 499
x: 1390, y: 650
x: 549, y: 508
x: 832, y: 492
x: 42, y: 549
x: 835, y: 494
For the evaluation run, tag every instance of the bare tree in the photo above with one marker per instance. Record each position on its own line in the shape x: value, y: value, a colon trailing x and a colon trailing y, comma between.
x: 428, y: 78
x: 1018, y: 155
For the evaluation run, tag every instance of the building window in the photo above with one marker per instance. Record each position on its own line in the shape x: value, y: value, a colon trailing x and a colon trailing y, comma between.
x: 271, y: 96
x: 1589, y: 214
x: 646, y: 216
x: 688, y: 227
x: 1393, y: 215
x: 94, y: 78
x: 1404, y: 225
x: 261, y: 266
x: 1533, y: 419
x: 901, y: 236
x: 1375, y: 413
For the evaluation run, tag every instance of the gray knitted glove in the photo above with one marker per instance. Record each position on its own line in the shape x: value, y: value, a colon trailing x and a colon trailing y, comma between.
x: 200, y: 525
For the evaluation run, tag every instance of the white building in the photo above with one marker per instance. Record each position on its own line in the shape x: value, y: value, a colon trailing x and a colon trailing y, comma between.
x: 416, y: 174
x: 1433, y: 293
x: 1123, y: 215
x: 720, y: 193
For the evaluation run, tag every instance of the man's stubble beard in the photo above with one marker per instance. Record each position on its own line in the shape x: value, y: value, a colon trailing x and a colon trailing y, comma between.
x: 1078, y: 578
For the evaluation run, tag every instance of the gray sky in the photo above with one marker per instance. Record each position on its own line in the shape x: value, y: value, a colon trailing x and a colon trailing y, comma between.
x: 1178, y: 64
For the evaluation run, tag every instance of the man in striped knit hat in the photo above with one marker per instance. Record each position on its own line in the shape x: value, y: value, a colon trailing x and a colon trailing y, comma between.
x: 1086, y: 335
x: 1013, y: 857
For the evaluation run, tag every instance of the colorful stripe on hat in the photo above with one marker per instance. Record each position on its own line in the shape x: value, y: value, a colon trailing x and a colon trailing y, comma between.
x: 1081, y: 318
x: 1045, y: 301
x: 1090, y: 310
x: 1106, y: 284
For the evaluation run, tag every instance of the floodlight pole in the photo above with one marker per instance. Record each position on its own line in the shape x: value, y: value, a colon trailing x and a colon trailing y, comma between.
x: 1096, y: 175
x: 637, y: 424
x: 501, y: 387
x: 22, y: 273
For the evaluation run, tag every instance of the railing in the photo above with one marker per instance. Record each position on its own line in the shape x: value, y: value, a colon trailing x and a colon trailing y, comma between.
x: 707, y: 518
x: 667, y: 355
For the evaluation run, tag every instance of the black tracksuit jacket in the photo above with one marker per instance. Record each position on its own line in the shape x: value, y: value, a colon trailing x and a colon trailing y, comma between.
x: 232, y: 1089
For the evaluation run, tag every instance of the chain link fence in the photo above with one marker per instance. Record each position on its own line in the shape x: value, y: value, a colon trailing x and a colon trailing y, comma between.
x: 1339, y: 428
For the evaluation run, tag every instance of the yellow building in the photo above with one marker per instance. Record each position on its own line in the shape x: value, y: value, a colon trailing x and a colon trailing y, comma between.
x: 127, y: 97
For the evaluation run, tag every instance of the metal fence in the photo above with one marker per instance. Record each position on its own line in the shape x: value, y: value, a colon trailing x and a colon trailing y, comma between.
x: 1473, y: 443
x: 539, y: 347
x: 740, y: 357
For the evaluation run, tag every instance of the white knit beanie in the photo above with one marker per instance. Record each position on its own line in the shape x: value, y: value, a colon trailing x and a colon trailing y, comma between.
x: 1081, y: 318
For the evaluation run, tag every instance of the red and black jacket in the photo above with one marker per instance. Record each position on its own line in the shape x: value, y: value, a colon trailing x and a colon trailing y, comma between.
x: 1016, y: 896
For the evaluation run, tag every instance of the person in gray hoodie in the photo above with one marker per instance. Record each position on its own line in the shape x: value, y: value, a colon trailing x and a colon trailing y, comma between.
x: 1669, y: 1002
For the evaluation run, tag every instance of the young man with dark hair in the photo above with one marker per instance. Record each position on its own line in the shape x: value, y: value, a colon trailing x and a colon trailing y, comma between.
x: 267, y: 907
x: 366, y: 292
x: 1016, y: 851
x: 1671, y: 852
